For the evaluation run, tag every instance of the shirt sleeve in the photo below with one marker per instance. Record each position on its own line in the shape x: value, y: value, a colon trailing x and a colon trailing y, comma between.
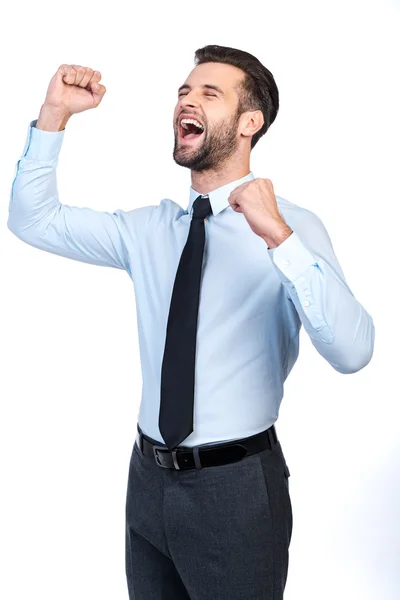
x: 37, y: 217
x: 339, y: 327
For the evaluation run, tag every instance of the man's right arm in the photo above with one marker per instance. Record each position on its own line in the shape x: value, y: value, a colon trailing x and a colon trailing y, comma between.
x: 36, y: 215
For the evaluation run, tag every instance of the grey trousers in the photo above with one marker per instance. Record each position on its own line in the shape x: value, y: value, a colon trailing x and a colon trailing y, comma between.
x: 216, y: 533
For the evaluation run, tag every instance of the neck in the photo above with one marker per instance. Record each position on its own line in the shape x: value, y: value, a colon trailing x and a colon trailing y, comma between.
x: 207, y: 181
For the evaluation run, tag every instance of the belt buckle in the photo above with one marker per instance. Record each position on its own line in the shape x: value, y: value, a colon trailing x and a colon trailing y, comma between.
x: 155, y: 452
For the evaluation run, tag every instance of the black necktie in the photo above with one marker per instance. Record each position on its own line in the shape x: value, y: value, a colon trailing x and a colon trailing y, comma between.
x: 177, y: 372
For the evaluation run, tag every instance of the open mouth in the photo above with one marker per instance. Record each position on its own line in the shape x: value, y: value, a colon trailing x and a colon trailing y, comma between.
x: 190, y: 132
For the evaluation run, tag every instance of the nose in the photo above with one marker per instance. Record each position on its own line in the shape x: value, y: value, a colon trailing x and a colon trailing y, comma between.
x: 185, y: 105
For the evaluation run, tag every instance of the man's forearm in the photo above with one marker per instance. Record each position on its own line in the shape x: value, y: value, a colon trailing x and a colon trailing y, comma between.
x: 51, y: 119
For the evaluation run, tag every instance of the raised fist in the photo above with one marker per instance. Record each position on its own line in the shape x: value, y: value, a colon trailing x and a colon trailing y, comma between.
x: 74, y: 89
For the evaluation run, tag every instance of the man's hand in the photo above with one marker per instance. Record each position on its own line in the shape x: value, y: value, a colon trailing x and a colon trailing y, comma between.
x: 256, y: 200
x: 72, y: 89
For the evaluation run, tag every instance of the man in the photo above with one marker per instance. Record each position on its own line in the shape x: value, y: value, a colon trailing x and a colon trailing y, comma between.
x: 222, y: 290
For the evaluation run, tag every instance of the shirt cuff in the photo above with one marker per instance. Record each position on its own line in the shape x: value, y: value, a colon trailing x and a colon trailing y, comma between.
x: 292, y: 257
x: 42, y: 145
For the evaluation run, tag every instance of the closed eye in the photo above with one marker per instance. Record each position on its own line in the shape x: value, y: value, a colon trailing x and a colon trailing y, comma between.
x: 183, y: 94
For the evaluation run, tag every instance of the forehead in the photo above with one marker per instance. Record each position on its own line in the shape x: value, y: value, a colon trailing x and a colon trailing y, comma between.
x: 222, y: 76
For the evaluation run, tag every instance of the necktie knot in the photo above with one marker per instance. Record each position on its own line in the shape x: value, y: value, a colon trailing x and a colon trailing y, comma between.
x: 201, y: 207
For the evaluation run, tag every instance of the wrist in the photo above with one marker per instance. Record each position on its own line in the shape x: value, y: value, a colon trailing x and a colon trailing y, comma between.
x: 51, y: 119
x: 278, y: 237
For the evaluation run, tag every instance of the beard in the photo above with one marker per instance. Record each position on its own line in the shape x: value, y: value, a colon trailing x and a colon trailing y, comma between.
x: 216, y: 146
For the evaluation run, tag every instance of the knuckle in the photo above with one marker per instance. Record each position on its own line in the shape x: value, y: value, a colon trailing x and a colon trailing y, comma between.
x: 65, y: 68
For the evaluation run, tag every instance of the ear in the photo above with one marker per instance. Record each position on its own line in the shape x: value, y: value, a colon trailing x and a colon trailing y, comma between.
x: 253, y: 121
x: 257, y: 120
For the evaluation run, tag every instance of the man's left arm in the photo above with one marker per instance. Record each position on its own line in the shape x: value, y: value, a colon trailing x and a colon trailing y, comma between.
x: 338, y: 325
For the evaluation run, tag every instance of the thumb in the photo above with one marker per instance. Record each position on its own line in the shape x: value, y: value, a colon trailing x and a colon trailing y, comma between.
x: 98, y: 90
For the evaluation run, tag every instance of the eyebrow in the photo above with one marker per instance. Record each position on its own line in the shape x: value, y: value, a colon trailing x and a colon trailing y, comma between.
x: 206, y: 85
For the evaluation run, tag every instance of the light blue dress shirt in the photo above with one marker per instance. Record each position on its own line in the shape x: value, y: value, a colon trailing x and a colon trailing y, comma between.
x: 253, y: 299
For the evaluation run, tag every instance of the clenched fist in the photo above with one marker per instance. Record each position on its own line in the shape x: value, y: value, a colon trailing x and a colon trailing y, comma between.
x: 72, y: 89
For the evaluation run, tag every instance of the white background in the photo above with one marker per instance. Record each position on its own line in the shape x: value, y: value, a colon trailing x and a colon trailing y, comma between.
x: 70, y: 372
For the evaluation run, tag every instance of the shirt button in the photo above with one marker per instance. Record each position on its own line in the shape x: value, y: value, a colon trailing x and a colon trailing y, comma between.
x: 286, y: 263
x: 206, y: 220
x: 306, y: 303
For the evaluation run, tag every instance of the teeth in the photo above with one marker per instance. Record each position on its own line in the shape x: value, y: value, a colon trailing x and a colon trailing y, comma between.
x: 184, y: 122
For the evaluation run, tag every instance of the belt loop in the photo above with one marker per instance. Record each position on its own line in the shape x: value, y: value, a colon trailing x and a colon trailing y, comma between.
x: 197, y: 461
x: 271, y: 437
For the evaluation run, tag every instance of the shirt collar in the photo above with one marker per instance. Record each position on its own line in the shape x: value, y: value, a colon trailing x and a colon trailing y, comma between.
x: 218, y: 197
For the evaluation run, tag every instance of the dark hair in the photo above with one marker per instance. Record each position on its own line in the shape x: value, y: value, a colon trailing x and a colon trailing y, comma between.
x: 258, y: 90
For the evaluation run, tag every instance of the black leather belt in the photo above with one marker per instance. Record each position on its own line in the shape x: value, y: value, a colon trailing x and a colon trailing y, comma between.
x: 197, y: 457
